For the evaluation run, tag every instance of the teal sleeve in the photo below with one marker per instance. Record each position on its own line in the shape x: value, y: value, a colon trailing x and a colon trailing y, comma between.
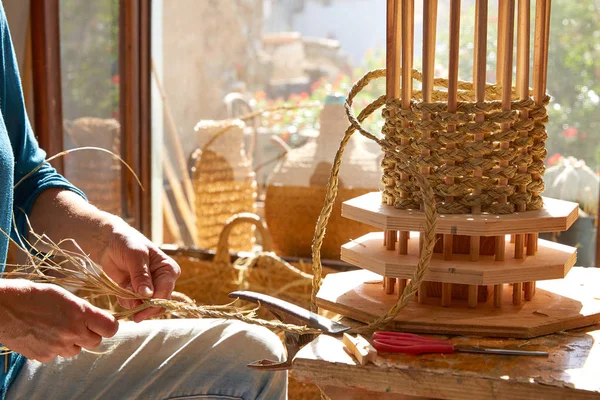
x: 27, y: 153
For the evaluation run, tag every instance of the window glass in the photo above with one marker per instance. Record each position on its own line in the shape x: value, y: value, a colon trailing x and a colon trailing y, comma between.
x: 89, y: 44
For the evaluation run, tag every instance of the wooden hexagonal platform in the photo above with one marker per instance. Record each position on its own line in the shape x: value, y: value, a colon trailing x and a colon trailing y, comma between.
x: 556, y: 216
x: 559, y: 305
x: 552, y: 261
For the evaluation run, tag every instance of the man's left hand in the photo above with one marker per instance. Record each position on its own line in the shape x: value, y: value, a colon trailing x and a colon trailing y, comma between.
x: 134, y: 262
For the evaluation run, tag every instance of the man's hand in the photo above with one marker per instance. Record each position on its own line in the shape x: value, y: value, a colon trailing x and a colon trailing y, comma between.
x: 126, y: 255
x: 42, y: 321
x: 134, y: 262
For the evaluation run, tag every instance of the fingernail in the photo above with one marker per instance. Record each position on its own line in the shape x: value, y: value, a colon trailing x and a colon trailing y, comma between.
x: 145, y: 291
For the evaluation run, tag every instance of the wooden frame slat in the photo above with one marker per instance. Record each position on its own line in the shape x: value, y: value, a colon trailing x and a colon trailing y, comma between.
x: 134, y: 70
x: 47, y: 94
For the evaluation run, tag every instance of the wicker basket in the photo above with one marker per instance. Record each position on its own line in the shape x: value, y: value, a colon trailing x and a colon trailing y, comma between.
x: 224, y: 183
x: 96, y: 173
x: 210, y: 281
x: 296, y: 190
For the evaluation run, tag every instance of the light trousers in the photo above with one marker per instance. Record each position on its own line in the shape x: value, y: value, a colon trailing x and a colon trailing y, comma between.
x: 163, y: 359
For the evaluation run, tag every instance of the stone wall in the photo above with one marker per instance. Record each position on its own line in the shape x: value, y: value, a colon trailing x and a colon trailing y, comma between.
x: 209, y: 46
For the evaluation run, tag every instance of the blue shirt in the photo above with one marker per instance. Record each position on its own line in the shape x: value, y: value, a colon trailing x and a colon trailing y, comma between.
x: 19, y: 155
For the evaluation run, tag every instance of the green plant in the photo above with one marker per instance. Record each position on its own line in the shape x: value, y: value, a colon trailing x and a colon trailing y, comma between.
x: 89, y: 56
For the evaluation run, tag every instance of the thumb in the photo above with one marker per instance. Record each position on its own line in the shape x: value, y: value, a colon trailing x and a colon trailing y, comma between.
x: 139, y: 271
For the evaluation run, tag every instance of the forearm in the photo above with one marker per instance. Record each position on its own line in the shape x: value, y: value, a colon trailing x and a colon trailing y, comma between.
x: 61, y: 214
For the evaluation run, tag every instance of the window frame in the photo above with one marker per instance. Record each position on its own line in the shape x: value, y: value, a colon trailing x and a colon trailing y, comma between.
x: 134, y: 97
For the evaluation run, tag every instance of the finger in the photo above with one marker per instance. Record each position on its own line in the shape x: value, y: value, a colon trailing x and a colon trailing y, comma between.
x: 89, y: 340
x: 128, y: 303
x: 164, y: 274
x: 139, y: 271
x: 148, y: 313
x: 69, y: 352
x: 100, y: 322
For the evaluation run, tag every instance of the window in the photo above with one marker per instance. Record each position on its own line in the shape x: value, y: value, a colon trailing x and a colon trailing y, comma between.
x: 217, y: 60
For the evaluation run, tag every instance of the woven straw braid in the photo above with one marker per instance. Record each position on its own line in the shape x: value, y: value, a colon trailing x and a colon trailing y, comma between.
x: 468, y: 155
x: 332, y: 189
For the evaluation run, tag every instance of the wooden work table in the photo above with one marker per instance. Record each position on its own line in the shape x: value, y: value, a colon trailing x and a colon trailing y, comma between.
x: 572, y: 371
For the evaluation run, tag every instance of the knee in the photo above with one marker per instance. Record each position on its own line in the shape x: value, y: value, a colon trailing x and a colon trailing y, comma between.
x: 257, y: 342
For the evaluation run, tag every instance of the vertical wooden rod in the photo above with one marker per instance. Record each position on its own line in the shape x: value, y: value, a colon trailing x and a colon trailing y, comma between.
x: 508, y: 13
x: 529, y: 290
x: 390, y: 244
x: 389, y: 284
x: 479, y: 75
x: 393, y: 49
x: 452, y: 105
x: 401, y: 286
x: 517, y: 293
x: 408, y: 29
x: 498, y: 291
x: 523, y: 92
x: 429, y: 35
x: 393, y: 44
x: 540, y: 71
x: 500, y: 44
x: 390, y: 239
x: 472, y: 296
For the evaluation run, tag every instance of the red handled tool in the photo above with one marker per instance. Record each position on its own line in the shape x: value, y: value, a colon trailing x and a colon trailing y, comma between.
x: 408, y: 343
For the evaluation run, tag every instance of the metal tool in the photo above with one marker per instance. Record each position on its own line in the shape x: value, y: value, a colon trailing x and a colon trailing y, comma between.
x: 289, y: 313
x: 408, y: 343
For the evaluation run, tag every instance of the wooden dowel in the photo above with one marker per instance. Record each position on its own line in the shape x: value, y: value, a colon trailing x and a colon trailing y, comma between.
x: 452, y: 101
x: 528, y: 288
x: 507, y: 10
x: 517, y: 293
x: 393, y: 49
x: 429, y: 35
x: 401, y: 286
x: 472, y: 296
x: 403, y: 242
x: 479, y: 78
x: 408, y: 29
x: 532, y: 243
x: 390, y: 239
x: 498, y: 292
x: 523, y: 32
x: 393, y: 45
x: 389, y: 285
x: 546, y: 44
x: 422, y: 293
x: 540, y: 71
x: 446, y: 294
x: 500, y: 44
x: 500, y: 248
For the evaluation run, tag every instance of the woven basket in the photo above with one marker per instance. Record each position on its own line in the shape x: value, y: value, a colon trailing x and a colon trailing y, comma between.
x: 224, y: 183
x: 296, y: 190
x: 209, y: 282
x: 466, y: 172
x: 96, y: 173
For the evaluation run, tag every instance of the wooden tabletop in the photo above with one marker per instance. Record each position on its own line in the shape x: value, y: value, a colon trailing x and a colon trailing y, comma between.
x: 572, y: 371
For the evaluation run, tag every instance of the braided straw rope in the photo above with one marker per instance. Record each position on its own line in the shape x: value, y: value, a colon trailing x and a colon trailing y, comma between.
x: 332, y: 189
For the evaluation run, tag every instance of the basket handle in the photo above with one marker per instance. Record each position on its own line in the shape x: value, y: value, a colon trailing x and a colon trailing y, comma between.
x: 222, y: 254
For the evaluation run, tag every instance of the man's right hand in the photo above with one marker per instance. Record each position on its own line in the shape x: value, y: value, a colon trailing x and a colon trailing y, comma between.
x: 42, y: 321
